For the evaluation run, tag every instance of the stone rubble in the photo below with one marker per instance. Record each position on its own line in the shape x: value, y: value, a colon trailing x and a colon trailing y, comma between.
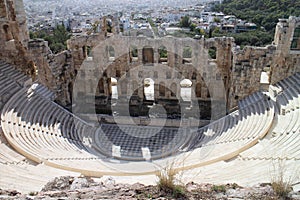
x: 86, y: 188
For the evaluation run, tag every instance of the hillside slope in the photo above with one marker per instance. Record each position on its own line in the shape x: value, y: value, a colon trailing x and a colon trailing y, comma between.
x: 262, y: 12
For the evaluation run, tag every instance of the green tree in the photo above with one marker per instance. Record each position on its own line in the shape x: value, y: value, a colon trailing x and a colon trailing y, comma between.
x: 185, y: 22
x: 193, y: 27
x: 57, y: 38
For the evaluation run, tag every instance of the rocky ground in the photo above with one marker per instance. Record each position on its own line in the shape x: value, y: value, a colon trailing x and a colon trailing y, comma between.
x: 86, y: 188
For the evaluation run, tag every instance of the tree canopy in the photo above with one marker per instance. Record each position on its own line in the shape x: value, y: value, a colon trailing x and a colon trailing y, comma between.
x: 264, y: 13
x: 57, y: 38
x: 185, y: 22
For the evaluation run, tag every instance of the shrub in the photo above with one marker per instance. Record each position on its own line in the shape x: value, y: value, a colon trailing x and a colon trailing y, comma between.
x: 280, y: 181
x: 219, y: 188
x: 166, y: 183
x: 281, y: 188
x: 32, y: 193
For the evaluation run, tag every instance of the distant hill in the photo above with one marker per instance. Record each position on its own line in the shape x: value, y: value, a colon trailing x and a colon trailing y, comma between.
x: 264, y: 13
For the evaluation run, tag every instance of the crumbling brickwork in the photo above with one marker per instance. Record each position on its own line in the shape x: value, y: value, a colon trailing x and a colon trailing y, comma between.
x: 14, y: 35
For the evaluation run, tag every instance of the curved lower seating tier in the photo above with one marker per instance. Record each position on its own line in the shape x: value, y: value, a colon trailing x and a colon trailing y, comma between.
x: 40, y: 130
x: 277, y: 154
x: 46, y: 133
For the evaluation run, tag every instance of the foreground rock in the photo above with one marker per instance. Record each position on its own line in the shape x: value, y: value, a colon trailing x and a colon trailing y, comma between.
x: 86, y: 188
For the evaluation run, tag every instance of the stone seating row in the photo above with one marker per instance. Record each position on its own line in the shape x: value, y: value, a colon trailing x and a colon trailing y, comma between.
x: 245, y: 172
x: 31, y: 113
x: 25, y: 177
x: 46, y: 133
x: 281, y: 151
x: 26, y: 131
x: 252, y: 99
x: 283, y: 138
x: 237, y: 125
x: 132, y: 141
x: 228, y: 137
x: 8, y: 88
x: 243, y: 128
x: 12, y: 73
x: 43, y: 91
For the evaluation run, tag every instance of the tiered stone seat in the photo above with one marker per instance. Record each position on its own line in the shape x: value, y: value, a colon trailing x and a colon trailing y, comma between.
x: 46, y: 133
x: 13, y: 74
x: 26, y: 177
x: 132, y: 140
x: 252, y: 99
x: 278, y: 150
x: 244, y: 172
x: 283, y: 139
x: 239, y: 131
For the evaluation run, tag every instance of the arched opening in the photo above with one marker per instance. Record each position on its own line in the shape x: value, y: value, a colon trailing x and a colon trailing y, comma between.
x: 194, y: 76
x: 100, y: 89
x: 187, y: 55
x: 295, y: 45
x: 114, y: 88
x: 168, y: 75
x: 173, y: 89
x: 148, y: 57
x: 198, y: 90
x: 111, y: 53
x: 149, y: 89
x: 133, y: 54
x: 7, y: 33
x: 162, y: 89
x: 89, y: 53
x: 163, y: 55
x: 186, y: 89
x: 212, y: 52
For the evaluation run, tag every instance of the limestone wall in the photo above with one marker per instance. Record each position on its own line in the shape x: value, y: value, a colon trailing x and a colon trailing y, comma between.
x: 56, y: 71
x: 279, y: 60
x: 14, y: 35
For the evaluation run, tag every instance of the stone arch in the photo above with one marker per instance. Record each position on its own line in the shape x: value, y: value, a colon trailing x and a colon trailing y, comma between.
x: 163, y: 55
x: 187, y: 53
x: 148, y: 55
x: 186, y: 89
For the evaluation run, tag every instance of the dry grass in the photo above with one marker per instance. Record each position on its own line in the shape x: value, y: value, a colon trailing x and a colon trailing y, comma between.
x: 280, y: 181
x: 167, y: 183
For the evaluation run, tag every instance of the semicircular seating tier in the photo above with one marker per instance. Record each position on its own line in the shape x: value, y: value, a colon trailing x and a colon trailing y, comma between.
x: 275, y: 156
x: 244, y: 144
x: 44, y: 132
x: 17, y: 172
